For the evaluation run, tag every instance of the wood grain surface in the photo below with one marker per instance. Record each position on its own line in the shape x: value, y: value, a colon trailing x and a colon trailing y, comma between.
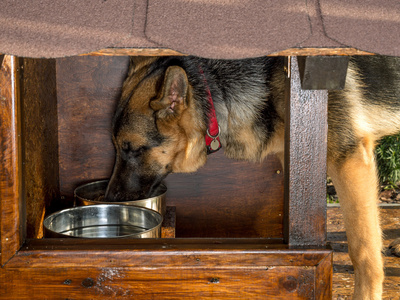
x: 305, y: 162
x: 87, y: 91
x: 11, y: 206
x: 166, y: 269
x: 40, y: 141
x: 286, y: 52
x: 228, y: 198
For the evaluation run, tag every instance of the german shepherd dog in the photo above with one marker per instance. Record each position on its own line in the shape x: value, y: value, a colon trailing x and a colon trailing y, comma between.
x: 162, y: 118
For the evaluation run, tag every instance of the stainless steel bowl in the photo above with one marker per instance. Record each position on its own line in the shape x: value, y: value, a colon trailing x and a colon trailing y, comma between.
x: 91, y: 193
x: 104, y: 221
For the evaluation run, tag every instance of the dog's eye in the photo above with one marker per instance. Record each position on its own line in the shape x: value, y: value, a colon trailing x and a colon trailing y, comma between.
x: 126, y: 146
x: 130, y: 152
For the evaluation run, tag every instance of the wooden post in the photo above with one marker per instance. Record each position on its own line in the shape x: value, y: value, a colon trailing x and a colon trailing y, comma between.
x: 305, y: 162
x: 11, y: 208
x: 40, y: 141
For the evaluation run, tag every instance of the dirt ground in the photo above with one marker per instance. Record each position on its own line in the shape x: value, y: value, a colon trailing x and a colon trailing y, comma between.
x: 343, y: 277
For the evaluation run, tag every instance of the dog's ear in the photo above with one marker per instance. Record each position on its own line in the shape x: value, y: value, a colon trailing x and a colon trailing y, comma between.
x: 172, y: 101
x: 137, y: 62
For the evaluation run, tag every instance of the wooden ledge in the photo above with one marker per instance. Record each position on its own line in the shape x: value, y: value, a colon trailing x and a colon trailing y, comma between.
x: 163, y: 253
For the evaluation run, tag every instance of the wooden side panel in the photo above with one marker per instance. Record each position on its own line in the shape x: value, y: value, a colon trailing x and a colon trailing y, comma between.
x: 226, y: 198
x: 40, y: 142
x: 305, y: 162
x: 11, y: 208
x: 87, y: 91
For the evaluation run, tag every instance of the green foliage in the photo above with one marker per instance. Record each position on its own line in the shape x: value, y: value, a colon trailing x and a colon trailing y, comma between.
x: 388, y: 159
x: 331, y: 199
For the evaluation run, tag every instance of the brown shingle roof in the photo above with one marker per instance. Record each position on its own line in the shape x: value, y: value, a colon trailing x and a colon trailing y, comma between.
x: 209, y: 28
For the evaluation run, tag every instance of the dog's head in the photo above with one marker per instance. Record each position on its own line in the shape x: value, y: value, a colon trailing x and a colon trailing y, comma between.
x: 157, y: 129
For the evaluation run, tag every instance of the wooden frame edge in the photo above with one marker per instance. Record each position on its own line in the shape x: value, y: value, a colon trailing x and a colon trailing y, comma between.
x: 11, y: 208
x: 324, y: 277
x: 286, y: 52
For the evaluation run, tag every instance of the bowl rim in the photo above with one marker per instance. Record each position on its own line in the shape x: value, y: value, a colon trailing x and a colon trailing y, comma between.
x: 49, y: 218
x: 164, y: 188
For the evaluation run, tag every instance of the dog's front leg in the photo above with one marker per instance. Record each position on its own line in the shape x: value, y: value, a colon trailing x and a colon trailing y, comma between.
x: 356, y: 183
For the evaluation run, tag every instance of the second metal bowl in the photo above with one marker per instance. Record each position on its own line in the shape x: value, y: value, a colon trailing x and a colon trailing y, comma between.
x: 104, y: 221
x: 91, y: 193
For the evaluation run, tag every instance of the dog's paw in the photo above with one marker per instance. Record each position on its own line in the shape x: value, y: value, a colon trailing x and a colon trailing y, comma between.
x: 395, y: 247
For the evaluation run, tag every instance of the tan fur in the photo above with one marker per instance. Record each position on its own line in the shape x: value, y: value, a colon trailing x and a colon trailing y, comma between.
x: 369, y: 119
x: 138, y: 68
x: 194, y: 156
x: 277, y: 143
x: 356, y: 182
x: 357, y: 187
x: 184, y: 151
x: 250, y: 144
x: 183, y: 130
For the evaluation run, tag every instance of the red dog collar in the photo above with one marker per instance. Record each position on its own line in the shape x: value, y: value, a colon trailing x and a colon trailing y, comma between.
x: 212, y: 138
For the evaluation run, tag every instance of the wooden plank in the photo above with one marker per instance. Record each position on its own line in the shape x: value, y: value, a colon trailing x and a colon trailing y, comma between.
x: 320, y: 52
x: 305, y: 162
x: 134, y: 52
x: 11, y: 208
x: 40, y: 143
x: 163, y: 268
x: 146, y: 253
x: 158, y: 244
x: 126, y: 283
x: 286, y: 52
x: 88, y: 89
x: 228, y: 198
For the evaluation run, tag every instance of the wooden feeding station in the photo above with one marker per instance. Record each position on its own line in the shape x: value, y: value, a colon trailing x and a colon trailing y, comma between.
x: 246, y: 230
x: 233, y: 229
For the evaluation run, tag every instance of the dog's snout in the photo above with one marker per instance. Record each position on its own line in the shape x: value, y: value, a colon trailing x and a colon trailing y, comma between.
x: 116, y: 192
x: 111, y: 195
x: 120, y: 189
x: 123, y: 187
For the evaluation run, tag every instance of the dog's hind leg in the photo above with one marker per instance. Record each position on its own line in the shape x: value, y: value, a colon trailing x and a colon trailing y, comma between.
x: 356, y: 182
